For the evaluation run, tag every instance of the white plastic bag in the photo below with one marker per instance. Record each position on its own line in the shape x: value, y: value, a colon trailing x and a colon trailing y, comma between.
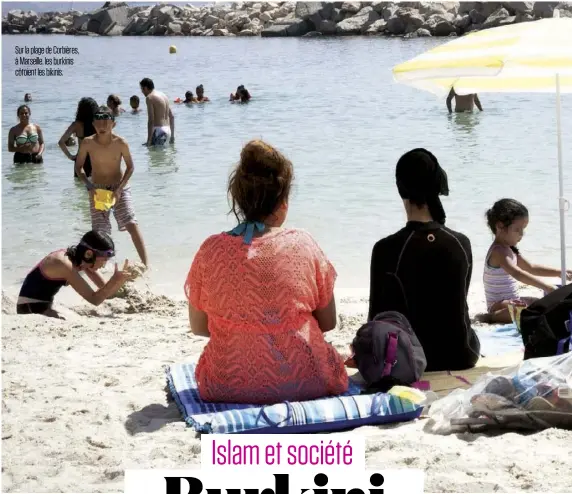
x: 534, y: 395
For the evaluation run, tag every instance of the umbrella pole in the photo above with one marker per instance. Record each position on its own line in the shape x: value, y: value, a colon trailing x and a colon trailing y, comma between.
x: 561, y: 200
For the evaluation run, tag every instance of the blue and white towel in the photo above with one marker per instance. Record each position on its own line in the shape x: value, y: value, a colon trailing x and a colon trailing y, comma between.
x: 326, y: 414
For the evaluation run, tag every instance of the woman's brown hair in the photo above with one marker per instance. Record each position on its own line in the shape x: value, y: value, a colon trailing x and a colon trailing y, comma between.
x: 260, y: 182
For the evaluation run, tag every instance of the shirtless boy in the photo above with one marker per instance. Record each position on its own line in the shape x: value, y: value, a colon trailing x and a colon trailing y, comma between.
x: 106, y: 151
x: 463, y: 103
x: 161, y: 122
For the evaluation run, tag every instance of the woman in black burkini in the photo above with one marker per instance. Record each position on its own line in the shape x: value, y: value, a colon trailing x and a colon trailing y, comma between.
x: 424, y: 270
x: 82, y: 127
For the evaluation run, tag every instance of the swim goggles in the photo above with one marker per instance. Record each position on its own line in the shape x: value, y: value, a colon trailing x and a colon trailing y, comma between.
x: 103, y: 116
x: 102, y: 253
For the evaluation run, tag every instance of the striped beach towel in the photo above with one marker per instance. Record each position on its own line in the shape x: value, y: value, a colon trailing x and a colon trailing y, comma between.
x: 327, y: 414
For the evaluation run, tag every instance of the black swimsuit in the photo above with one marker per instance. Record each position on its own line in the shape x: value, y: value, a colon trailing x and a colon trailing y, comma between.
x: 37, y: 286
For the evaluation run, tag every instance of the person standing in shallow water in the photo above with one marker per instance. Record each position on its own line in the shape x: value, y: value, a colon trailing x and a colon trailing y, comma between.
x: 264, y: 296
x: 463, y: 103
x: 424, y: 270
x: 26, y: 139
x: 161, y: 121
x: 107, y: 150
x: 82, y: 127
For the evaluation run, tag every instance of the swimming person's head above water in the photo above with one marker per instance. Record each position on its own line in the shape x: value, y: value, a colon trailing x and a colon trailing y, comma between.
x: 420, y: 181
x: 28, y: 97
x: 507, y: 219
x: 92, y: 252
x: 259, y: 186
x: 189, y: 97
x: 134, y: 102
x: 103, y: 120
x: 113, y: 102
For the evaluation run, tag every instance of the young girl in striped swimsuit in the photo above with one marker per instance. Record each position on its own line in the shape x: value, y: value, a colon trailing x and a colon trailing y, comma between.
x: 505, y: 266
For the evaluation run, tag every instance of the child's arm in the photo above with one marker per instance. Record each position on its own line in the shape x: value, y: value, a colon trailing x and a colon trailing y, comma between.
x: 537, y: 269
x: 129, y: 167
x: 96, y: 278
x: 504, y: 259
x: 79, y: 162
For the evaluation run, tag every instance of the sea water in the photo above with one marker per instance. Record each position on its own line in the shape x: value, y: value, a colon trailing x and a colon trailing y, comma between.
x: 329, y: 104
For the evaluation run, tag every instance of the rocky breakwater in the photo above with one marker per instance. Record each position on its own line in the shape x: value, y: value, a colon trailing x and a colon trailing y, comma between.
x: 269, y: 19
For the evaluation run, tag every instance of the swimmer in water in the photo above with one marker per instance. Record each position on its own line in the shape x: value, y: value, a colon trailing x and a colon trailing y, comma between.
x: 27, y: 97
x: 114, y: 104
x: 463, y: 103
x: 161, y: 121
x: 201, y: 98
x: 70, y: 142
x: 26, y: 140
x: 189, y: 98
x: 63, y: 267
x: 242, y: 95
x: 134, y: 103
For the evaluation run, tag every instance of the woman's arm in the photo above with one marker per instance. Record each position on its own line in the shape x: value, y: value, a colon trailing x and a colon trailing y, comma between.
x: 198, y: 321
x: 327, y: 317
x: 503, y: 258
x: 40, y: 140
x: 96, y: 278
x: 66, y: 135
x: 11, y: 139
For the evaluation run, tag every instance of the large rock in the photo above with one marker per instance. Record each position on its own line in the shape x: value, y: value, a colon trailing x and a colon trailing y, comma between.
x: 496, y: 18
x: 305, y: 10
x: 377, y: 27
x: 102, y: 19
x: 515, y: 8
x: 209, y: 21
x: 484, y: 8
x: 357, y: 24
x: 405, y: 20
x: 351, y: 7
x: 326, y: 27
x: 429, y: 8
x: 544, y: 10
x: 298, y: 28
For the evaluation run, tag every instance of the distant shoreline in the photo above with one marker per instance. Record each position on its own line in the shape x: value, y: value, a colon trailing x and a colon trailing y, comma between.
x: 284, y: 19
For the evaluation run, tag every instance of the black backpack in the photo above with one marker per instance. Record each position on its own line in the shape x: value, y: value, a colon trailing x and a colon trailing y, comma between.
x: 545, y: 324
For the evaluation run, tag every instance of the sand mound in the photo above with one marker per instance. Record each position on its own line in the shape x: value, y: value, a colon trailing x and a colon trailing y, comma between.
x: 134, y: 300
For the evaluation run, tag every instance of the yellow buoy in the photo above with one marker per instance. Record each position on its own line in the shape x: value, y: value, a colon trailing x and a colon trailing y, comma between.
x: 172, y: 49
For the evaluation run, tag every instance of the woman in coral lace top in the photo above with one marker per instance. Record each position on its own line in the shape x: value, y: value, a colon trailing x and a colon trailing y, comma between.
x: 264, y: 295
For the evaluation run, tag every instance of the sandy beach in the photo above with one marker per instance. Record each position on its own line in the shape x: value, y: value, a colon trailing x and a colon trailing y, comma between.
x: 84, y: 399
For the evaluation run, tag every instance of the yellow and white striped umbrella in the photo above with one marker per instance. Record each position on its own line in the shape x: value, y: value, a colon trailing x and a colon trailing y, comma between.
x: 517, y: 58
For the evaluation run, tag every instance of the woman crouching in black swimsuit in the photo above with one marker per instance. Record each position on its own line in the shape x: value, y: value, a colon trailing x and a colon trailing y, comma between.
x: 63, y: 267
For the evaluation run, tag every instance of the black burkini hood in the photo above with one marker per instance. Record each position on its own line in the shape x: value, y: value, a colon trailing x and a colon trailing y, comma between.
x: 421, y: 180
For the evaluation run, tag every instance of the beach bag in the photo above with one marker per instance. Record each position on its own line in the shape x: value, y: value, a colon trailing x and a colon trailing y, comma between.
x: 388, y: 353
x: 545, y: 324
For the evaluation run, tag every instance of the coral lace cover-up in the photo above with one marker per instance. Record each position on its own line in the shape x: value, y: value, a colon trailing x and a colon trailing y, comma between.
x: 265, y: 346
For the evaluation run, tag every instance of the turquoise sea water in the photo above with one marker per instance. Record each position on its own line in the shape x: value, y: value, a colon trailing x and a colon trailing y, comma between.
x: 329, y: 104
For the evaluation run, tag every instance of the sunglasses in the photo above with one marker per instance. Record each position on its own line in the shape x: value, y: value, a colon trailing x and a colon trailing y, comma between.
x: 101, y: 253
x: 103, y: 116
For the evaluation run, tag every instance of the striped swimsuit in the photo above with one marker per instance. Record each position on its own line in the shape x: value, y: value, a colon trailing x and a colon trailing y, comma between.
x: 499, y: 285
